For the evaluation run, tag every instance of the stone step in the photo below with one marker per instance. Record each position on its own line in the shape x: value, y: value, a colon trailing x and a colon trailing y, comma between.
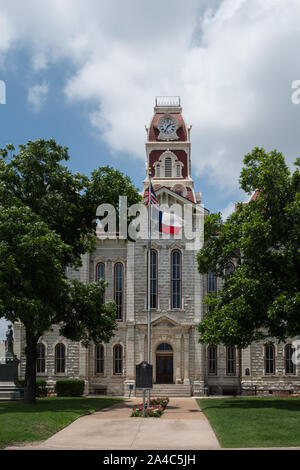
x: 168, y: 390
x: 11, y: 393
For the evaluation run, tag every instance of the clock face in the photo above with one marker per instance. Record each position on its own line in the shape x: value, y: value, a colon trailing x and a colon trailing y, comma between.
x: 167, y: 126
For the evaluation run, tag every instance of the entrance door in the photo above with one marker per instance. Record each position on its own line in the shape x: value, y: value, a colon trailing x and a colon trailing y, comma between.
x: 164, y: 369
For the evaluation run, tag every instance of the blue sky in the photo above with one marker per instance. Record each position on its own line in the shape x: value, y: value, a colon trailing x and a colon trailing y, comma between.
x: 69, y: 123
x: 87, y: 73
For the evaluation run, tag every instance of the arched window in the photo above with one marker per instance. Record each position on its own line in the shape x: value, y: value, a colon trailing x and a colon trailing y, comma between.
x: 40, y: 358
x: 99, y: 355
x: 269, y: 359
x: 157, y: 171
x: 211, y: 282
x: 164, y: 347
x: 230, y: 360
x: 118, y: 360
x: 176, y: 279
x: 153, y: 279
x: 100, y: 271
x: 60, y: 358
x: 119, y: 290
x: 212, y: 360
x: 229, y: 268
x: 168, y: 167
x: 290, y: 367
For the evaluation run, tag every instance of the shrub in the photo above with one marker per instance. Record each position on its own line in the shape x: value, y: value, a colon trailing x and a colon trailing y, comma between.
x: 40, y: 388
x: 69, y: 388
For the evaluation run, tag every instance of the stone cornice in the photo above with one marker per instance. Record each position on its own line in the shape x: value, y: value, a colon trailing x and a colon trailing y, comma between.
x: 181, y: 327
x: 165, y: 144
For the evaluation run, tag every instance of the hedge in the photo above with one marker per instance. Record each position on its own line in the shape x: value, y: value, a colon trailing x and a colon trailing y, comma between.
x: 69, y: 388
x: 40, y: 388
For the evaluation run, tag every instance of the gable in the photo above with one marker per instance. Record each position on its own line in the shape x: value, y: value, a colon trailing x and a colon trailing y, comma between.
x: 164, y: 322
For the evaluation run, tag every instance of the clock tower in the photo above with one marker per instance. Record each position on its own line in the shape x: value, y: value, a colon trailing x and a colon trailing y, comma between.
x: 168, y: 150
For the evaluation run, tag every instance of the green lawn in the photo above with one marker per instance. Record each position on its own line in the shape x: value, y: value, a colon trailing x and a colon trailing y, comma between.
x: 20, y: 423
x: 254, y: 421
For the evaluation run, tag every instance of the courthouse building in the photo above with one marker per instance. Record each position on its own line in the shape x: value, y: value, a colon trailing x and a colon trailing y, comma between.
x: 181, y: 365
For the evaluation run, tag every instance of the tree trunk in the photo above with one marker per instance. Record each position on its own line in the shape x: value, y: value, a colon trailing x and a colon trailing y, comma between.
x: 30, y: 374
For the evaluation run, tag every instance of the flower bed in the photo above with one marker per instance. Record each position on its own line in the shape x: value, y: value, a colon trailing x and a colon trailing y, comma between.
x: 158, y: 406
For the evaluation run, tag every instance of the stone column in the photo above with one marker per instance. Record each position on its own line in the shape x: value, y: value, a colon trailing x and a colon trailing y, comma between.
x: 130, y: 356
x: 198, y: 293
x: 130, y: 283
x: 130, y: 362
x: 83, y: 366
x: 177, y: 357
x: 246, y: 361
x: 198, y: 385
x: 141, y: 340
x: 109, y: 277
x: 186, y: 358
x: 85, y: 268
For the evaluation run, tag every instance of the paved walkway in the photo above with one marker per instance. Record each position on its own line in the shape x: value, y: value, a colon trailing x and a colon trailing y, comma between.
x: 183, y: 426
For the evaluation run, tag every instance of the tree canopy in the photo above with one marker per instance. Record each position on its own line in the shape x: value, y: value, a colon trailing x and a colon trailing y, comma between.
x: 261, y: 298
x: 47, y: 221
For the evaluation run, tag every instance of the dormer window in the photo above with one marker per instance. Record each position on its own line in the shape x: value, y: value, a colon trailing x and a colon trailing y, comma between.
x: 168, y: 166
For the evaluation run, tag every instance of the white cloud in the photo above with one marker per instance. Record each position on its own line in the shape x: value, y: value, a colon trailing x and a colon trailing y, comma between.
x: 37, y: 95
x: 233, y: 66
x: 6, y: 33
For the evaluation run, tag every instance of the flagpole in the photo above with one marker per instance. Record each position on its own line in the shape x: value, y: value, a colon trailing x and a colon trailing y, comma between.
x: 149, y: 275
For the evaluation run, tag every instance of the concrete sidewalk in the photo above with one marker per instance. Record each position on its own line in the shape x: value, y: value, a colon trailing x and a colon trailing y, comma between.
x: 183, y: 426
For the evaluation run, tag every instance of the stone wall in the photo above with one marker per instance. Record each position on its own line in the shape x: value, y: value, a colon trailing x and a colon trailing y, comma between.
x: 50, y: 339
x: 265, y: 383
x: 178, y: 327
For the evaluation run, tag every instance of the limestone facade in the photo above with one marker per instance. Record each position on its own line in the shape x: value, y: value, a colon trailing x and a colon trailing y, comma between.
x: 176, y: 355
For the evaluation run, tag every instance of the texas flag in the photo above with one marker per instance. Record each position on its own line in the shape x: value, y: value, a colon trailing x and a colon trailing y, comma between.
x: 161, y: 220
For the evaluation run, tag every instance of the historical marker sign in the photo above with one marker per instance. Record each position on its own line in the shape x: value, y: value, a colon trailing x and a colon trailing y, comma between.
x: 144, y: 375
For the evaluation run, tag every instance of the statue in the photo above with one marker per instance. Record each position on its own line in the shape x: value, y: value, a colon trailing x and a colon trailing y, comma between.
x: 10, y: 388
x: 9, y: 344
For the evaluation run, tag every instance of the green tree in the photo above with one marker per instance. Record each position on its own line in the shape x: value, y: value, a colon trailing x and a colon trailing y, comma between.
x: 261, y: 298
x: 47, y: 221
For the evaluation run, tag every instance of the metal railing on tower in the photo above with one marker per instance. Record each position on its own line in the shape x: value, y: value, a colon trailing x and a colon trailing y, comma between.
x: 167, y: 101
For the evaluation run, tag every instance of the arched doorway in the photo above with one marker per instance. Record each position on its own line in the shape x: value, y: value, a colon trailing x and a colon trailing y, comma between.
x: 164, y: 364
